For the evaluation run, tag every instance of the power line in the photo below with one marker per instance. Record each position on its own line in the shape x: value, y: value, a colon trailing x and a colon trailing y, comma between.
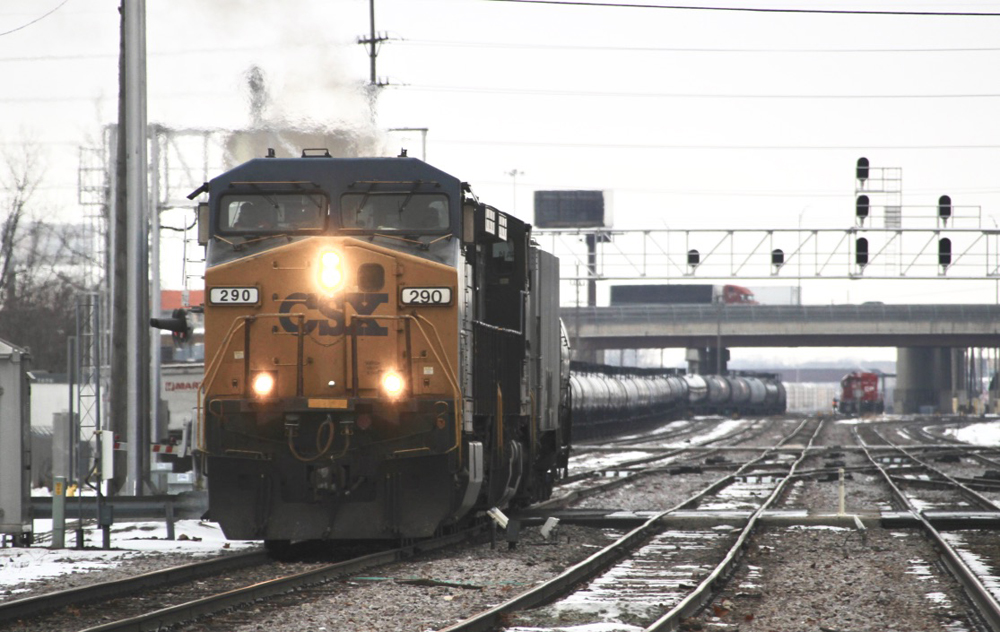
x: 686, y: 95
x: 553, y: 93
x: 738, y: 193
x: 859, y: 147
x: 670, y: 49
x: 35, y: 21
x: 506, y: 46
x: 674, y: 7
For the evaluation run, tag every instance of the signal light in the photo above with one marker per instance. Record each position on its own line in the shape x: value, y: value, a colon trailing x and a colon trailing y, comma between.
x: 331, y: 274
x: 778, y: 257
x: 861, y: 252
x: 263, y: 384
x: 944, y: 252
x: 944, y: 208
x: 179, y: 324
x: 862, y: 169
x: 862, y: 207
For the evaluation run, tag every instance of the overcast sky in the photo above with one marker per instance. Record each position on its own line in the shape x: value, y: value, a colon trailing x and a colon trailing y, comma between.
x: 691, y: 118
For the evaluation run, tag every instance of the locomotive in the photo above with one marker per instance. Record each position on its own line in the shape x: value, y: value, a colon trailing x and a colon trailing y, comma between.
x: 383, y: 352
x: 860, y: 394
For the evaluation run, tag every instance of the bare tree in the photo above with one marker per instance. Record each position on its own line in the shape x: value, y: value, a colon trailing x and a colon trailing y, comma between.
x: 38, y: 280
x: 21, y: 175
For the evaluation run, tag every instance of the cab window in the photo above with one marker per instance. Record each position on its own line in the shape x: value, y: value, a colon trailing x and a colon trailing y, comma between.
x: 273, y: 212
x: 394, y: 212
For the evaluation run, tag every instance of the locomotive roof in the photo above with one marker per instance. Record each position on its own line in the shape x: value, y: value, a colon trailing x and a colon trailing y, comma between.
x: 337, y: 173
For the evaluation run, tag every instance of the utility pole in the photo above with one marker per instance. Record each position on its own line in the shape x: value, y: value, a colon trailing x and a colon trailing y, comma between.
x: 372, y: 42
x: 136, y: 251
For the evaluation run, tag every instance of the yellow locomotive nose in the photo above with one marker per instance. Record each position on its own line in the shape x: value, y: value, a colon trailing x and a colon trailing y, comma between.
x: 331, y: 274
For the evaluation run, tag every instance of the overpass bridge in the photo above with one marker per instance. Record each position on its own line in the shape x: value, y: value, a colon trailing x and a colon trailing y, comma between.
x: 931, y: 339
x: 663, y: 326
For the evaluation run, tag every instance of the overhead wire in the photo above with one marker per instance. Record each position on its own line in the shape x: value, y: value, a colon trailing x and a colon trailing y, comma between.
x: 688, y: 147
x: 677, y: 49
x: 683, y: 95
x: 681, y: 7
x: 35, y: 21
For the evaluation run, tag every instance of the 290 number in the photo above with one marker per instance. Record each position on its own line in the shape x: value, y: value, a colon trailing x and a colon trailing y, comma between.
x: 234, y: 295
x: 426, y: 296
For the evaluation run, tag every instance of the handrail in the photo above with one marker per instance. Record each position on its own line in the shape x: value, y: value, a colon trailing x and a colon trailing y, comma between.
x: 212, y: 368
x: 445, y: 363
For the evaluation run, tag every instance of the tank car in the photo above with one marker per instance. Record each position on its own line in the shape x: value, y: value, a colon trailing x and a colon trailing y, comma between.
x: 383, y: 352
x: 719, y: 394
x: 758, y: 393
x: 697, y: 393
x: 609, y: 401
x: 606, y: 401
x: 739, y: 398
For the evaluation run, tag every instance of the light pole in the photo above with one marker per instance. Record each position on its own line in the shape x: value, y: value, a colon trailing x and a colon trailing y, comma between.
x: 513, y: 173
x: 799, y: 255
x: 993, y: 219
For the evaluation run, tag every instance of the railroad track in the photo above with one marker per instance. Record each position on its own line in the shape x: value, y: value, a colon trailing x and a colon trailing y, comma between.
x: 182, y: 594
x: 15, y: 612
x: 925, y: 490
x: 805, y: 535
x: 618, y: 469
x: 765, y: 502
x: 640, y: 555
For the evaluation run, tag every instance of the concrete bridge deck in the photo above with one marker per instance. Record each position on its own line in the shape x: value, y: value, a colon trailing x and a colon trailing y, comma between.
x: 869, y: 325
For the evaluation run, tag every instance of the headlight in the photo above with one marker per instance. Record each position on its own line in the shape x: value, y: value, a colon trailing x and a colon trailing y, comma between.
x: 392, y: 384
x: 262, y: 384
x: 331, y: 275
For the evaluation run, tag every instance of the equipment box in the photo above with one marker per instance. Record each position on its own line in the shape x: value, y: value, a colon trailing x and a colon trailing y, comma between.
x: 15, y: 441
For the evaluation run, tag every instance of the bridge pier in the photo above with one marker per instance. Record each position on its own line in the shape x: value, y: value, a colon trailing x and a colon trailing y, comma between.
x: 928, y: 378
x: 583, y: 351
x: 707, y: 360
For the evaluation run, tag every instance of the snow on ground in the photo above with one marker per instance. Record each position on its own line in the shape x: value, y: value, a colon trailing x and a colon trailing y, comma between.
x: 129, y: 540
x: 986, y: 433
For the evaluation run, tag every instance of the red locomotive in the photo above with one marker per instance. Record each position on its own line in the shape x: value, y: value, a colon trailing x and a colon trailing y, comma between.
x: 860, y: 394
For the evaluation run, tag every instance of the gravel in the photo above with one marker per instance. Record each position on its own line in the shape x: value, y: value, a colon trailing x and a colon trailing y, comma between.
x: 815, y: 579
x: 430, y: 593
x: 823, y: 580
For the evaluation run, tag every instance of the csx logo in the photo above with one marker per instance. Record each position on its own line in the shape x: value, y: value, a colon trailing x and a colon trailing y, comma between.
x: 363, y: 303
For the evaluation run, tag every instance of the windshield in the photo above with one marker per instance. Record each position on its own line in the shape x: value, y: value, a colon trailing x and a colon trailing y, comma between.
x: 258, y: 213
x: 252, y: 222
x: 395, y: 212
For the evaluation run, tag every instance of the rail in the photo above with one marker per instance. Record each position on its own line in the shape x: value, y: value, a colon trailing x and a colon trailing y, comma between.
x: 595, y: 564
x: 986, y: 603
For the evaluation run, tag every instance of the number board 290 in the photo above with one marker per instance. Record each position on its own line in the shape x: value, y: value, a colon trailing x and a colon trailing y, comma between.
x: 426, y: 296
x: 234, y: 296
